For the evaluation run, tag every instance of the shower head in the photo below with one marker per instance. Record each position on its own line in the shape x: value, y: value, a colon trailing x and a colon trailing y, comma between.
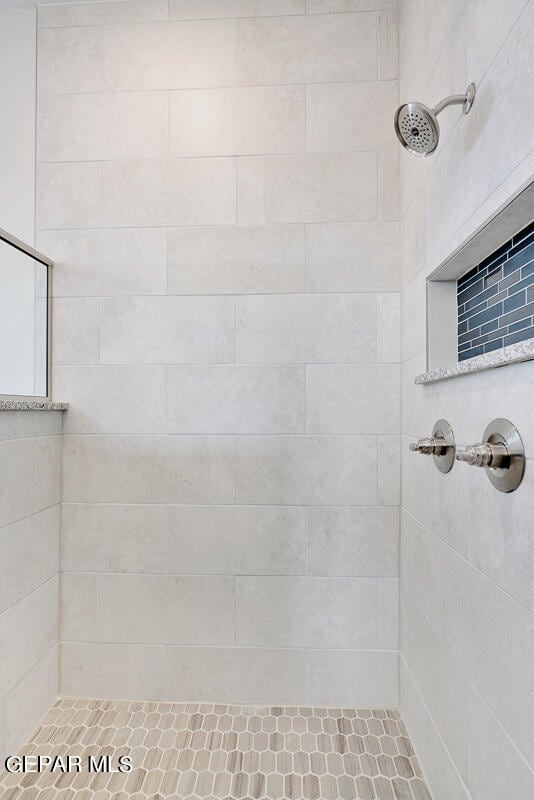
x: 417, y: 127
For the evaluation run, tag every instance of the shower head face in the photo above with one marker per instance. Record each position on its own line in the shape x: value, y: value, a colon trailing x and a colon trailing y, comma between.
x: 417, y: 129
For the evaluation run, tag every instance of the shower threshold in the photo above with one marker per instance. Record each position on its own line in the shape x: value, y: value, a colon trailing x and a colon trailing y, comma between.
x: 201, y: 751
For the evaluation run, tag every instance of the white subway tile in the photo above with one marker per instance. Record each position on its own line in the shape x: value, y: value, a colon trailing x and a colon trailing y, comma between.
x: 306, y: 612
x: 320, y: 187
x: 362, y: 678
x: 157, y: 609
x: 306, y: 328
x: 353, y: 256
x: 299, y: 49
x: 308, y: 470
x: 161, y: 193
x: 148, y: 469
x: 75, y: 330
x: 69, y: 195
x: 166, y: 330
x: 107, y: 262
x: 353, y: 399
x: 237, y: 121
x: 198, y: 9
x: 181, y: 540
x: 78, y: 607
x: 237, y: 259
x: 104, y: 399
x: 363, y: 114
x: 97, y: 127
x: 236, y: 399
x: 358, y: 542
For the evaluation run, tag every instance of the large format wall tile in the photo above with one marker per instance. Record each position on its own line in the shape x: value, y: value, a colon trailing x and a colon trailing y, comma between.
x: 148, y: 469
x: 75, y: 330
x: 236, y: 259
x: 270, y: 399
x: 97, y: 127
x: 160, y: 609
x: 30, y: 471
x: 184, y: 540
x: 299, y: 49
x: 322, y: 187
x: 309, y: 470
x: 103, y: 13
x: 106, y: 262
x: 58, y: 205
x: 37, y: 535
x: 160, y: 193
x: 197, y: 9
x: 285, y: 328
x: 242, y: 121
x: 306, y: 612
x: 167, y: 330
x: 359, y: 674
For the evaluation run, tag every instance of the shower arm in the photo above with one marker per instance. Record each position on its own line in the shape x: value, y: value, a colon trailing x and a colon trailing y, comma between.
x: 465, y: 100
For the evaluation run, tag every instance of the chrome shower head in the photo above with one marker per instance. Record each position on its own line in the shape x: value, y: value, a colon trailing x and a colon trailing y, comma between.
x: 417, y: 127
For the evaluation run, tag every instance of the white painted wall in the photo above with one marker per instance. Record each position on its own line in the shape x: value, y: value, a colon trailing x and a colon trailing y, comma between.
x: 467, y: 551
x: 226, y: 332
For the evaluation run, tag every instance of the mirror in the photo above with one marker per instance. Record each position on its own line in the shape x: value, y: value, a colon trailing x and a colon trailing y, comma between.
x: 23, y: 320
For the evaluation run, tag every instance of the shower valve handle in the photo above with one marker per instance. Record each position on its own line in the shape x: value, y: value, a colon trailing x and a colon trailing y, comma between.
x: 429, y: 446
x: 485, y: 454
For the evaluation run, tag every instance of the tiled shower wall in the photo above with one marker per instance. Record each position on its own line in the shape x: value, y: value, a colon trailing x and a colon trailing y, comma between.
x: 467, y: 561
x: 218, y: 184
x: 30, y: 485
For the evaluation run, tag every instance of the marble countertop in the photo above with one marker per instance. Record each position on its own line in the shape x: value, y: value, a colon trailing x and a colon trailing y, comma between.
x: 32, y: 405
x: 513, y: 354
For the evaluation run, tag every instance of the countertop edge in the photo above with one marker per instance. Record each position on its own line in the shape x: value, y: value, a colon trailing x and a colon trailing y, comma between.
x: 513, y: 354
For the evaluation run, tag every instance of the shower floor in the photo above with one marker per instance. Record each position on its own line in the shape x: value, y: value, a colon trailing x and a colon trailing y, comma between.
x: 221, y: 751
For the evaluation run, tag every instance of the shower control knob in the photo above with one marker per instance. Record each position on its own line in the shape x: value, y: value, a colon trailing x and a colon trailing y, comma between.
x: 501, y: 453
x: 440, y: 445
x: 484, y: 455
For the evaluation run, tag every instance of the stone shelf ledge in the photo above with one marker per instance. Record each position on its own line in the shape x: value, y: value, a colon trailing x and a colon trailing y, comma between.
x: 513, y: 354
x: 32, y: 405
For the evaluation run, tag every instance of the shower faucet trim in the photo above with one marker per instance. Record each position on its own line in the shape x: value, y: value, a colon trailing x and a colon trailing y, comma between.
x: 440, y: 445
x: 501, y: 453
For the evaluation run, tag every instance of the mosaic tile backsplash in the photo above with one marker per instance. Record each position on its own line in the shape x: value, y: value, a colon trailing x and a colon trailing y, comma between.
x: 496, y: 298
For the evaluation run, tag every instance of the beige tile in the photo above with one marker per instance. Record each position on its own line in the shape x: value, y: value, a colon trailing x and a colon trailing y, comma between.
x: 353, y: 541
x: 148, y: 469
x: 203, y: 54
x: 349, y: 104
x: 149, y: 606
x: 107, y: 262
x: 224, y: 540
x: 299, y: 49
x: 96, y: 127
x: 352, y: 257
x: 314, y: 470
x: 104, y: 399
x: 78, y: 607
x: 197, y: 9
x: 102, y: 13
x: 167, y: 330
x: 306, y: 328
x: 70, y: 60
x: 162, y: 193
x: 306, y: 612
x: 322, y: 187
x: 236, y: 399
x: 37, y: 535
x: 75, y: 330
x: 58, y: 206
x: 236, y: 259
x: 353, y: 399
x: 30, y: 472
x: 237, y: 121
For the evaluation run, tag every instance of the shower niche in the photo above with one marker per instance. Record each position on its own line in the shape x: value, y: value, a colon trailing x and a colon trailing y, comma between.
x: 480, y: 301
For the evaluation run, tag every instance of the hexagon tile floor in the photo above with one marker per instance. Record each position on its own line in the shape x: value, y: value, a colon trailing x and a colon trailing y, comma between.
x: 220, y: 751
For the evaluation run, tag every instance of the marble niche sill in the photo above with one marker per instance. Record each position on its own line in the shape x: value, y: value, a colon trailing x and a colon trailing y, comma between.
x: 32, y: 405
x: 513, y: 354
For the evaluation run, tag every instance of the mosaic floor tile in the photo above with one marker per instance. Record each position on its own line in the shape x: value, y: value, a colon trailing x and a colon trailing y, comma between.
x: 220, y: 752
